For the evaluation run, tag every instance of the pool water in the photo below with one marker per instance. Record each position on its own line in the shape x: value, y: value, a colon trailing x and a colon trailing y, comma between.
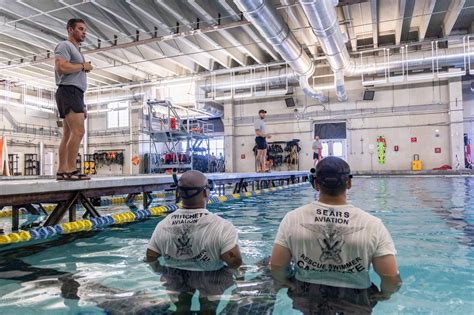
x: 431, y: 220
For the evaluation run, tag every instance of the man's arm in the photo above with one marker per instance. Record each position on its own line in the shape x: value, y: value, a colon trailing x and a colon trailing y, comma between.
x: 151, y: 255
x: 279, y: 262
x: 232, y: 258
x: 66, y: 67
x: 386, y: 268
x: 260, y: 133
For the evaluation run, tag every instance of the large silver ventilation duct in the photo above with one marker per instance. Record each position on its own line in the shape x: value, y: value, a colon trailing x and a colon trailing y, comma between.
x: 321, y: 15
x: 323, y: 20
x: 271, y: 25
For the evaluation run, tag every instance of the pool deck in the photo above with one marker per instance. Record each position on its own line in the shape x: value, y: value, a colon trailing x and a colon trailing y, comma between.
x: 427, y: 173
x: 38, y: 185
x: 30, y: 193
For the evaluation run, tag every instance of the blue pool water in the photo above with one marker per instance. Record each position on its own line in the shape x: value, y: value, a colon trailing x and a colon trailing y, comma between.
x: 431, y: 221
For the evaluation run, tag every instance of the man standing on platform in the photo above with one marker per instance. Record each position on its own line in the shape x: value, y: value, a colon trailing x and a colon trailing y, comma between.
x: 71, y: 79
x: 317, y: 149
x: 261, y: 141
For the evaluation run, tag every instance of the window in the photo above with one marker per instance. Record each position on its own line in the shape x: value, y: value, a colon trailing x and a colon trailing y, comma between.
x: 217, y: 146
x: 337, y: 149
x: 325, y: 150
x: 117, y: 115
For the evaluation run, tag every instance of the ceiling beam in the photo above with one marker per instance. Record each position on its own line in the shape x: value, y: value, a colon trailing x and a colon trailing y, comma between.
x: 425, y: 19
x: 407, y: 18
x: 229, y: 35
x: 375, y: 21
x: 349, y: 27
x: 451, y: 16
x: 183, y: 42
x: 399, y: 23
x: 230, y: 52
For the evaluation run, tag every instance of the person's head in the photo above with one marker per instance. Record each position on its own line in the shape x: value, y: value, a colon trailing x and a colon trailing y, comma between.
x: 316, y: 138
x: 333, y: 176
x: 261, y: 113
x: 76, y: 28
x: 193, y: 189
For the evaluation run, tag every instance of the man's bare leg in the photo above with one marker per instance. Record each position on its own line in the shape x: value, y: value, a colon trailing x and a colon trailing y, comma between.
x: 75, y: 122
x: 62, y: 168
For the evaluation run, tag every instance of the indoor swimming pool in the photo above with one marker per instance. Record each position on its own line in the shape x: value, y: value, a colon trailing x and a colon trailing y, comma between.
x: 431, y: 220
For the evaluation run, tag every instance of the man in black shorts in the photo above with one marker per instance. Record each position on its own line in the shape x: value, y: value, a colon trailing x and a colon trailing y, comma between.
x: 260, y: 140
x: 71, y: 79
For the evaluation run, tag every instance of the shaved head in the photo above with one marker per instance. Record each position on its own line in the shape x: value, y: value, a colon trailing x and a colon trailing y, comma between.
x: 191, y: 179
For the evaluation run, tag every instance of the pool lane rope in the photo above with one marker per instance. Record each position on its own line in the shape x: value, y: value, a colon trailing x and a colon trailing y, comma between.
x: 105, y: 201
x: 42, y: 233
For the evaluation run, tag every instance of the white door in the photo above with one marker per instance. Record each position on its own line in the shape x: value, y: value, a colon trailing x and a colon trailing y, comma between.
x: 334, y: 147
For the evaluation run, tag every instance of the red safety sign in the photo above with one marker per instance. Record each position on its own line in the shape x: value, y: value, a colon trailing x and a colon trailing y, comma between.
x: 242, y: 156
x: 413, y: 139
x: 437, y: 150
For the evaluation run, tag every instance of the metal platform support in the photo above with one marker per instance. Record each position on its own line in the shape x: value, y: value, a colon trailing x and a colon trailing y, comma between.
x: 69, y: 205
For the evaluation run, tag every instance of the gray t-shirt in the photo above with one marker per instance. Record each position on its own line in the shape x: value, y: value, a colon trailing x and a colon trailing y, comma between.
x: 260, y: 125
x: 70, y: 53
x: 317, y: 145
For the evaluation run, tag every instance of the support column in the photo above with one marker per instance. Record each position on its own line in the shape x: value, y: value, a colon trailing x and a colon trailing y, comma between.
x: 229, y: 136
x: 456, y: 123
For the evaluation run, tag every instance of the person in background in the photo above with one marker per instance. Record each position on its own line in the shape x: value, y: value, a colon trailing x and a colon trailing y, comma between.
x: 70, y: 74
x: 333, y: 244
x: 261, y: 141
x: 213, y: 163
x: 317, y: 149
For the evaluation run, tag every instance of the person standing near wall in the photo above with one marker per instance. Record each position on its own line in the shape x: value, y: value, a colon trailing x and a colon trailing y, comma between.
x: 261, y: 141
x: 317, y: 149
x: 71, y: 79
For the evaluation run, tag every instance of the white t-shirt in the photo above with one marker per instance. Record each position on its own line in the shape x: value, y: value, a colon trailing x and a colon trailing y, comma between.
x: 193, y: 239
x: 334, y: 245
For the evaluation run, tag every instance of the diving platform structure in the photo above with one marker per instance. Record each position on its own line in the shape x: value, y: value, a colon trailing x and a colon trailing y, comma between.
x: 30, y: 194
x: 168, y: 132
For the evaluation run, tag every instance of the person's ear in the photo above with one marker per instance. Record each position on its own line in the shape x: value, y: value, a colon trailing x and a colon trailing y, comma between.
x: 206, y: 195
x: 316, y: 185
x: 349, y: 183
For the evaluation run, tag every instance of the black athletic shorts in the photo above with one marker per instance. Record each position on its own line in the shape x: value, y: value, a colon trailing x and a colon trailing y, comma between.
x: 69, y: 98
x: 315, y: 156
x: 261, y: 143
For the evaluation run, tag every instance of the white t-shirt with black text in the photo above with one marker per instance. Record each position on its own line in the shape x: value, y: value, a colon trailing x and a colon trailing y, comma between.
x: 334, y: 245
x: 193, y: 239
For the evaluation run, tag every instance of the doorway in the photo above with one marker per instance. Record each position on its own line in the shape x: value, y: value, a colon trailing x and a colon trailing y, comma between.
x: 333, y: 138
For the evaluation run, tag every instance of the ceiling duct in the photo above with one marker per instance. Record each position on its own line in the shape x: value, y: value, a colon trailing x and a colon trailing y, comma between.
x: 322, y: 17
x: 272, y: 27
